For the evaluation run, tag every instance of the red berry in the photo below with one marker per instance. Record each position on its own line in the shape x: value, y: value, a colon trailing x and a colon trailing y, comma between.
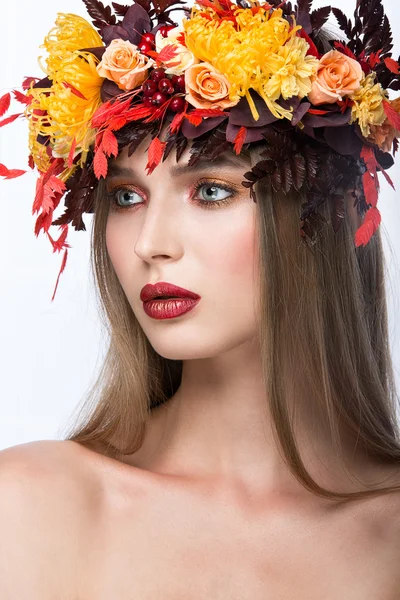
x: 148, y: 37
x: 159, y: 98
x: 177, y: 104
x: 164, y: 29
x: 147, y: 101
x: 158, y: 74
x: 181, y: 82
x: 149, y: 87
x: 144, y: 47
x: 165, y: 85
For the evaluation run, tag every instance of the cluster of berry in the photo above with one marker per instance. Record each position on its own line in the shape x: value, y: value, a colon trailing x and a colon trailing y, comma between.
x: 158, y: 88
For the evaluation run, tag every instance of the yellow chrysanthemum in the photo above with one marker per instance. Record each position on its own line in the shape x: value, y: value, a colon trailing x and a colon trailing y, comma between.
x: 260, y: 52
x: 368, y: 106
x: 74, y: 95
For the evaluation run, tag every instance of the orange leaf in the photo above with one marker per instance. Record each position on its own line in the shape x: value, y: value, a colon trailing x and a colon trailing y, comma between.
x: 154, y: 153
x: 193, y: 119
x: 368, y: 228
x: 100, y: 163
x: 181, y: 38
x: 138, y: 112
x: 4, y: 104
x: 108, y: 110
x: 71, y: 154
x: 392, y: 115
x: 63, y: 263
x: 392, y: 65
x: 239, y: 139
x: 110, y: 144
x: 317, y: 111
x: 166, y: 54
x: 44, y: 222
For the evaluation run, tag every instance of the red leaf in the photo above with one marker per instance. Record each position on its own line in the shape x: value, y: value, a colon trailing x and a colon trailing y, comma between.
x: 117, y: 123
x: 63, y: 263
x: 110, y: 144
x: 138, y: 112
x: 10, y: 173
x: 374, y: 58
x: 345, y: 50
x: 392, y: 65
x: 368, y: 228
x: 27, y: 82
x: 312, y: 51
x: 31, y: 162
x: 4, y: 104
x: 108, y: 110
x: 49, y: 189
x: 9, y: 119
x: 74, y: 90
x: 194, y: 119
x: 44, y: 222
x: 71, y: 154
x: 154, y: 153
x: 390, y: 182
x: 368, y: 156
x: 22, y: 98
x: 60, y: 244
x: 239, y: 139
x: 392, y: 115
x: 167, y: 53
x: 208, y: 112
x: 100, y: 163
x: 181, y: 39
x: 371, y: 188
x: 176, y: 122
x: 317, y: 111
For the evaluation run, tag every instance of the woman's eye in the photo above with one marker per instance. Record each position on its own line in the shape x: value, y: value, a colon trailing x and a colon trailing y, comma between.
x: 125, y: 197
x: 212, y: 192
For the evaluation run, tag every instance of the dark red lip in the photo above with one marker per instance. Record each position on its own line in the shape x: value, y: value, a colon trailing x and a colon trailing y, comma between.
x: 162, y: 288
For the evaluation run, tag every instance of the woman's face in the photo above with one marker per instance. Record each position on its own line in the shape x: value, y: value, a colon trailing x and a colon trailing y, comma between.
x: 194, y: 228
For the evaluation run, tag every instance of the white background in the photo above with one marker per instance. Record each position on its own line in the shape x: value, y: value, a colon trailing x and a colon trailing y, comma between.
x: 50, y: 352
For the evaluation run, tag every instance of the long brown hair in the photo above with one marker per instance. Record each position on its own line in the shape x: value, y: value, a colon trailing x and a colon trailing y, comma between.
x: 323, y: 318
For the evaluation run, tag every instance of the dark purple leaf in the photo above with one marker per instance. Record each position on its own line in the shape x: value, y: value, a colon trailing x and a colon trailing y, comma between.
x: 191, y: 131
x: 343, y: 140
x: 109, y: 90
x: 114, y: 32
x: 101, y: 15
x: 319, y: 17
x: 98, y: 52
x: 332, y: 119
x: 300, y: 112
x: 136, y: 22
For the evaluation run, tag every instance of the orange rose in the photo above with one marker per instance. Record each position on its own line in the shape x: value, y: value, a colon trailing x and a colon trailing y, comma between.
x: 337, y: 75
x: 124, y: 64
x: 383, y: 135
x: 207, y: 88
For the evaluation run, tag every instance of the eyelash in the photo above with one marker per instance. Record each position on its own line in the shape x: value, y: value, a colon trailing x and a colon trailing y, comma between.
x: 207, y: 204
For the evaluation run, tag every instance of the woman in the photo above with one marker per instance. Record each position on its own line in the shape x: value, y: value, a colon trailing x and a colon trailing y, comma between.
x: 242, y: 442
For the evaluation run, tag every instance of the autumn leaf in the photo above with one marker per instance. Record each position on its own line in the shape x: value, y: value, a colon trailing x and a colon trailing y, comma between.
x: 71, y: 154
x: 100, y: 164
x: 44, y: 222
x: 176, y: 122
x: 167, y: 53
x: 371, y: 188
x: 374, y: 59
x: 9, y: 119
x: 368, y: 228
x: 317, y: 111
x: 392, y: 65
x: 239, y: 139
x: 10, y: 173
x: 73, y: 90
x: 63, y: 263
x: 26, y: 84
x: 154, y: 153
x: 344, y: 49
x: 4, y: 104
x: 194, y: 119
x: 60, y: 244
x: 22, y: 98
x: 392, y: 115
x: 110, y: 143
x: 208, y: 112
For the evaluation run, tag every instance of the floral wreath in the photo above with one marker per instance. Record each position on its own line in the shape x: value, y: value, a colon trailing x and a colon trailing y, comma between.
x: 228, y: 76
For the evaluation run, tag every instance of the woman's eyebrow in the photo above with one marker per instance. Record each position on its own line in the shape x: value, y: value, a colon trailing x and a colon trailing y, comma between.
x: 116, y: 170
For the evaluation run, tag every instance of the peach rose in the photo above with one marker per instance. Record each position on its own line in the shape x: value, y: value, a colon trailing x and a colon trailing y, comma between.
x: 124, y: 64
x: 337, y: 75
x: 207, y: 88
x: 383, y: 135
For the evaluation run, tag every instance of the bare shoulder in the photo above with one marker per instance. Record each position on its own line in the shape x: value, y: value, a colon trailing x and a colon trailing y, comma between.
x: 47, y: 497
